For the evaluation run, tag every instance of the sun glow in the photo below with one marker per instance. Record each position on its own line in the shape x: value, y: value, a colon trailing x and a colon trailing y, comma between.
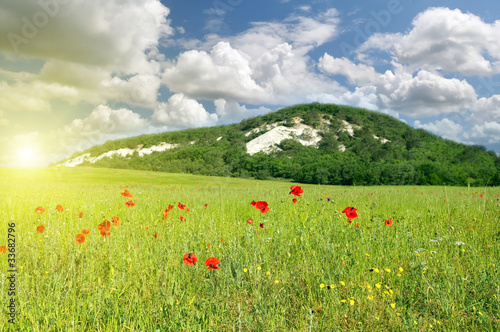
x: 26, y: 155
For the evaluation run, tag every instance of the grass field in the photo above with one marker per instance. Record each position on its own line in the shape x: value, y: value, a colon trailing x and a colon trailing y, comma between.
x: 436, y: 268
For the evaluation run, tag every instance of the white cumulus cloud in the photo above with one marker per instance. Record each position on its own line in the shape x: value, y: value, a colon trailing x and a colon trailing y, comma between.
x: 232, y: 112
x: 181, y: 112
x: 444, y: 39
x: 445, y: 128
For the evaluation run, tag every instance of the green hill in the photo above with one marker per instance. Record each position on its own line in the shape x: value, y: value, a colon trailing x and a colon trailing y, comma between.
x: 313, y: 143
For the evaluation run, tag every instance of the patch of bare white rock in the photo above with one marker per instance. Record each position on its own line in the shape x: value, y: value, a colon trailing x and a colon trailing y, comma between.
x: 120, y: 152
x: 268, y: 142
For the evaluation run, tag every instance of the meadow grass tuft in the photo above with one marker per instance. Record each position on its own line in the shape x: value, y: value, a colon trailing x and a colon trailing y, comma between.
x: 435, y: 268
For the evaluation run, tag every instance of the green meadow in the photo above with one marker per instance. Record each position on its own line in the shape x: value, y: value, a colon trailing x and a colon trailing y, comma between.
x: 298, y: 267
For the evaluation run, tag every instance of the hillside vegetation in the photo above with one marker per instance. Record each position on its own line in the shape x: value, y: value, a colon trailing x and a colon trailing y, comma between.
x: 379, y: 150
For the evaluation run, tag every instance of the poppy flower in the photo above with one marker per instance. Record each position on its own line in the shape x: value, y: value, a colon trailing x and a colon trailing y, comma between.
x: 190, y: 259
x: 294, y: 200
x: 3, y: 249
x: 115, y: 221
x: 296, y: 190
x: 165, y: 215
x: 188, y: 210
x: 261, y: 225
x: 170, y: 207
x: 39, y: 209
x: 59, y: 208
x: 262, y: 206
x: 357, y: 225
x: 40, y: 229
x: 129, y: 203
x: 80, y: 238
x: 80, y: 215
x: 86, y: 231
x: 105, y: 225
x: 104, y: 233
x: 250, y: 221
x: 350, y: 212
x: 212, y: 263
x: 253, y: 203
x: 156, y: 235
x: 182, y: 218
x: 205, y: 206
x: 388, y: 222
x: 126, y: 193
x: 181, y: 206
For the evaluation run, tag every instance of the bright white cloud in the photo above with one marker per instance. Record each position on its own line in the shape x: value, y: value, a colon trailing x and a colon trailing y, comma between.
x: 114, y: 34
x: 268, y: 63
x: 425, y: 93
x: 486, y: 109
x: 445, y: 128
x: 232, y: 112
x: 106, y: 51
x: 181, y: 112
x: 355, y: 73
x: 224, y: 72
x: 488, y: 131
x: 444, y: 39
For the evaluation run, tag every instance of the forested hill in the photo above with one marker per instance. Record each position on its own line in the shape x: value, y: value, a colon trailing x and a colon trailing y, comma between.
x: 313, y: 143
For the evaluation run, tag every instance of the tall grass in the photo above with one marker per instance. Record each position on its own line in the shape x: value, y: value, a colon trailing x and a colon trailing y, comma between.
x: 308, y: 269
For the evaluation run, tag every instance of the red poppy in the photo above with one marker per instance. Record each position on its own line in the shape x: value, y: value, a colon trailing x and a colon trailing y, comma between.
x: 39, y: 209
x: 170, y: 207
x: 205, y: 206
x: 350, y: 212
x: 388, y: 222
x: 181, y: 206
x: 129, y: 203
x: 190, y: 259
x: 105, y: 225
x: 165, y: 215
x: 253, y: 203
x: 40, y: 229
x: 59, y: 208
x: 126, y: 193
x: 188, y: 210
x: 86, y: 231
x: 104, y: 233
x: 294, y: 200
x: 3, y: 249
x: 80, y: 238
x: 80, y: 215
x: 182, y: 218
x: 212, y: 263
x: 261, y: 225
x: 250, y: 221
x: 357, y: 225
x: 262, y: 206
x: 115, y: 221
x: 156, y: 235
x: 296, y: 190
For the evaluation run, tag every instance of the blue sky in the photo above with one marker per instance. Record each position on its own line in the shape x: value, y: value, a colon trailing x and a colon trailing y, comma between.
x: 76, y: 73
